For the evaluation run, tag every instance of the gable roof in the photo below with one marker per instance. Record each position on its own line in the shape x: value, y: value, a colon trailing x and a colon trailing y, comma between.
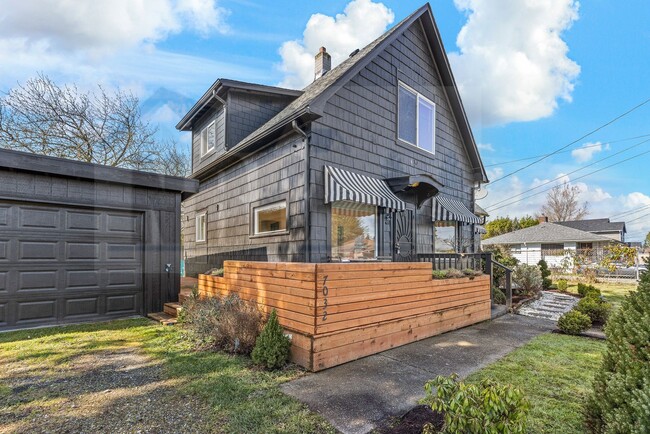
x: 545, y: 233
x: 310, y: 104
x: 595, y: 225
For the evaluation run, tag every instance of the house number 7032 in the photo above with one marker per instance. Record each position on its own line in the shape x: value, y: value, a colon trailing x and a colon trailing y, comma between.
x: 325, y: 292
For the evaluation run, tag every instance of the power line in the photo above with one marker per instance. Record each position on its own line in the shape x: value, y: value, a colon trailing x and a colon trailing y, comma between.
x: 638, y: 218
x: 606, y: 142
x: 573, y: 142
x: 632, y: 211
x: 570, y: 173
x: 579, y: 177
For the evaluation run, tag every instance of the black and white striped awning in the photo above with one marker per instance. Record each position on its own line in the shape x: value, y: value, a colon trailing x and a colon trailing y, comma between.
x: 342, y: 185
x: 447, y: 208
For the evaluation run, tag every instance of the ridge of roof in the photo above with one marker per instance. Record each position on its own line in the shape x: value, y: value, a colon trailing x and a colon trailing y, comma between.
x: 545, y: 233
x: 594, y: 225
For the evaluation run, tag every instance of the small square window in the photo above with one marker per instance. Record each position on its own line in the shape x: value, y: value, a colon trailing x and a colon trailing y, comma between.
x: 416, y: 119
x: 270, y: 218
x: 201, y: 227
x: 208, y: 138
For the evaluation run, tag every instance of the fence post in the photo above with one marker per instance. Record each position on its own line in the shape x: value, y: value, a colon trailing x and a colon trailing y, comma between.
x: 508, y: 289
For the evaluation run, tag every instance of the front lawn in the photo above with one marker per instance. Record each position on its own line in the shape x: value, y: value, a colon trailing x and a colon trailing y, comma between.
x: 614, y: 292
x: 111, y: 376
x: 555, y: 372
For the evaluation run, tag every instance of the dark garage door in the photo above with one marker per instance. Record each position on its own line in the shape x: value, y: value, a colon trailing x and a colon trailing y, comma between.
x: 64, y: 264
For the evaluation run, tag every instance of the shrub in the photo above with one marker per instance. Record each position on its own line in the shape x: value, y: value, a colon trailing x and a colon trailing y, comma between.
x: 477, y: 408
x: 595, y: 308
x: 543, y: 268
x: 574, y: 322
x: 621, y: 396
x: 468, y: 272
x: 501, y: 254
x: 562, y: 285
x: 272, y: 346
x: 588, y: 290
x: 528, y: 277
x: 498, y: 297
x: 450, y: 273
x: 229, y: 323
x: 215, y: 272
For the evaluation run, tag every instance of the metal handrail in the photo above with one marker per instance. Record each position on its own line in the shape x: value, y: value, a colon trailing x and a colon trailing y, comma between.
x: 508, y: 282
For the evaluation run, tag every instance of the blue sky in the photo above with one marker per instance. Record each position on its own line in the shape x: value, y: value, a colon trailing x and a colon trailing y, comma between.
x: 534, y: 75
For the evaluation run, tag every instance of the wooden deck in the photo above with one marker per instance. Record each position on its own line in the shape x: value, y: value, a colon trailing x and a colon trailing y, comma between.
x: 341, y: 312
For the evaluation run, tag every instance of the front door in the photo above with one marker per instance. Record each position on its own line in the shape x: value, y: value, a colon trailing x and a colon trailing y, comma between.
x: 404, y: 235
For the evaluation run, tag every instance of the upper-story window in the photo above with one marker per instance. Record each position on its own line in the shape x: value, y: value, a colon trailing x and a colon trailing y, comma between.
x: 208, y: 136
x: 416, y: 119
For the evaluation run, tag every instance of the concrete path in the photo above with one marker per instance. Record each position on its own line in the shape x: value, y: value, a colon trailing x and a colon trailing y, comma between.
x: 551, y: 305
x: 358, y: 396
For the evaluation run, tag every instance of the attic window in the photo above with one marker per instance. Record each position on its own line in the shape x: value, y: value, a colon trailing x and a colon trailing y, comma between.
x: 416, y: 119
x: 207, y: 139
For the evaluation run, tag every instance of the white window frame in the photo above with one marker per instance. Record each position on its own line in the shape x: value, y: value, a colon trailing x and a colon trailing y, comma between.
x: 256, y: 219
x: 204, y: 139
x: 419, y: 97
x: 204, y: 225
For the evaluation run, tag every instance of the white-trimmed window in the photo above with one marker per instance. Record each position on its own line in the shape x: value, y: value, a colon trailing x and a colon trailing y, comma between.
x: 270, y: 218
x: 201, y: 227
x: 416, y: 119
x: 208, y: 138
x: 354, y: 229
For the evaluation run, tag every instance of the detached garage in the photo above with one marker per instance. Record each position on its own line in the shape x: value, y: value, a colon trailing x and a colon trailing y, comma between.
x: 84, y: 242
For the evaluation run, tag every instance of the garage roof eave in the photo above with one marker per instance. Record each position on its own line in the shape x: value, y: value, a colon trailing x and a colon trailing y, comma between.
x: 26, y: 162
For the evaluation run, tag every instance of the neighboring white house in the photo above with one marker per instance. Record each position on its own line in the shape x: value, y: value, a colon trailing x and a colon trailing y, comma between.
x: 603, y: 227
x: 552, y: 242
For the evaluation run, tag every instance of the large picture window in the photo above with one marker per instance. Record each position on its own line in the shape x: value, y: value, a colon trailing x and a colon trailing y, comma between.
x: 353, y: 231
x: 416, y: 119
x: 445, y: 237
x: 201, y: 227
x: 270, y: 218
x: 208, y: 138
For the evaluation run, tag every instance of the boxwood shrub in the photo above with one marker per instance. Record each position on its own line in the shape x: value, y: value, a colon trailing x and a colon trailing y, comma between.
x: 574, y: 322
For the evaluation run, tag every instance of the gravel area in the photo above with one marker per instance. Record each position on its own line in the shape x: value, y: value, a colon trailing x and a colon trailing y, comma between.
x: 120, y: 391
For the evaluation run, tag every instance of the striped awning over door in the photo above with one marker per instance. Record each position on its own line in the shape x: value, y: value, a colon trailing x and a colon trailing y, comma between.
x: 342, y: 185
x: 447, y: 208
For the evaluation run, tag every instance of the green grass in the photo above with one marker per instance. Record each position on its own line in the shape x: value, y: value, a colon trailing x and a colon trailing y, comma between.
x: 555, y: 372
x: 614, y: 292
x: 242, y: 398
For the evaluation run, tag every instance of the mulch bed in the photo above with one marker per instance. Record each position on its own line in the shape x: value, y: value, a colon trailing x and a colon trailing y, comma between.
x: 413, y: 422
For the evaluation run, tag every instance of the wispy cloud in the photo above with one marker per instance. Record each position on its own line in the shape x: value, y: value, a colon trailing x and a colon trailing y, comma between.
x: 587, y: 151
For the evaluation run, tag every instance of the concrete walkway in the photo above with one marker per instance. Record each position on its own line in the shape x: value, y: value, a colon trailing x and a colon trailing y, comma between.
x: 358, y: 396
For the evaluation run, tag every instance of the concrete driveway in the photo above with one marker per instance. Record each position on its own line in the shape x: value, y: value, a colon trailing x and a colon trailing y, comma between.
x: 358, y: 396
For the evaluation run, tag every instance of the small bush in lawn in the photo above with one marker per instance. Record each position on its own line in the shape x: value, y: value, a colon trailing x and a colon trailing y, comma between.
x: 574, y: 322
x: 476, y: 408
x: 543, y: 268
x: 229, y: 323
x: 585, y: 290
x: 528, y: 277
x: 595, y: 308
x: 272, y: 346
x: 498, y: 297
x: 562, y: 285
x: 620, y: 402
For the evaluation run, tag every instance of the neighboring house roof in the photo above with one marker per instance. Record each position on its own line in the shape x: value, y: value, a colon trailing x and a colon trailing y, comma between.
x: 310, y: 104
x: 595, y: 225
x: 545, y: 233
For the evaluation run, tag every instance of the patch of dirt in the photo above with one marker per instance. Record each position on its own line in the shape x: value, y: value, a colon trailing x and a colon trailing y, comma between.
x: 121, y: 391
x: 413, y: 422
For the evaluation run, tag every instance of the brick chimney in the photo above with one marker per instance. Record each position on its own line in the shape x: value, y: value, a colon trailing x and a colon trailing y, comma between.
x: 542, y: 219
x: 323, y: 63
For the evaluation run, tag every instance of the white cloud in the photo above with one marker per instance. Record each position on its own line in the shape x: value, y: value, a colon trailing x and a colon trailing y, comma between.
x: 485, y: 147
x: 361, y: 22
x: 513, y: 64
x: 101, y: 26
x: 586, y: 152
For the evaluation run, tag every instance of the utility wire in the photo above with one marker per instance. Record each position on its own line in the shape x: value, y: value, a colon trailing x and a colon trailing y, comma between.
x: 638, y: 218
x: 632, y: 211
x: 573, y: 142
x: 579, y: 177
x: 570, y: 173
x: 604, y: 142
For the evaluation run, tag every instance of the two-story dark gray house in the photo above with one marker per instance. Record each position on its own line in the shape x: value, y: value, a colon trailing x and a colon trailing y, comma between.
x: 374, y: 160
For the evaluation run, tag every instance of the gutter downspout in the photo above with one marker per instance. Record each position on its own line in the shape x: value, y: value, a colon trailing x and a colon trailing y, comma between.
x: 297, y: 129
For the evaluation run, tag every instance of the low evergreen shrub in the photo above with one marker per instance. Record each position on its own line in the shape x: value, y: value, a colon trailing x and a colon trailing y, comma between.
x: 272, y: 346
x: 574, y: 322
x: 498, y: 297
x: 528, y: 277
x: 620, y: 402
x: 562, y: 285
x: 595, y: 308
x: 585, y: 290
x: 476, y: 408
x: 546, y: 273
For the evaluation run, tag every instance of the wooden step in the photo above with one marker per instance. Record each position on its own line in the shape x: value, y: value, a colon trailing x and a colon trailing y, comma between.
x: 172, y: 308
x: 162, y: 318
x: 183, y: 296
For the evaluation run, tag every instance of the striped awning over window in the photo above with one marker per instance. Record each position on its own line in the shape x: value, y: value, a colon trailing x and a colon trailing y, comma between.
x: 447, y: 208
x: 342, y: 185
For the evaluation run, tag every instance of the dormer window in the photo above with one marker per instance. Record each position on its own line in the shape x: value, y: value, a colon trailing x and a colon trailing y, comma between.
x: 416, y: 119
x: 208, y: 136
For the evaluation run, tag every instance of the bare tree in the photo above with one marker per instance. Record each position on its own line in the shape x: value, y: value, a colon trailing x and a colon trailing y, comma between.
x: 562, y: 204
x: 97, y: 127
